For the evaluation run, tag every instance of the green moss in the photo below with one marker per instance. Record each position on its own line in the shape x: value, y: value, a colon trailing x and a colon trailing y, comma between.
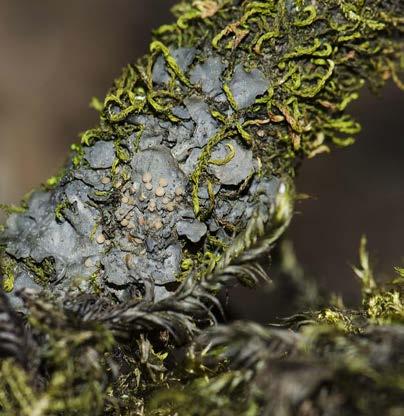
x: 75, y: 358
x: 230, y: 97
x: 203, y: 162
x: 89, y: 137
x: 43, y: 272
x: 96, y: 104
x: 12, y: 209
x: 60, y: 207
x: 338, y: 319
x: 54, y: 181
x: 7, y: 270
x: 95, y: 283
x: 383, y: 304
x: 78, y: 154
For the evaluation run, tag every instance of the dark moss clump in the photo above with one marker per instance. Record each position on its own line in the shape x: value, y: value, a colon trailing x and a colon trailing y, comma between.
x: 331, y: 361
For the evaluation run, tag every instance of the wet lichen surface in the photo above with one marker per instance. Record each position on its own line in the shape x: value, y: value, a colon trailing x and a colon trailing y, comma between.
x: 193, y: 138
x: 135, y: 208
x: 187, y: 182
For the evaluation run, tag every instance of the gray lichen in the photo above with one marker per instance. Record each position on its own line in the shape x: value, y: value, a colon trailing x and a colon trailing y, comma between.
x: 247, y: 86
x: 133, y: 232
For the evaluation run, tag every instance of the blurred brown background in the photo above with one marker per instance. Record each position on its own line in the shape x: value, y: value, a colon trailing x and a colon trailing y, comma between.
x: 54, y: 56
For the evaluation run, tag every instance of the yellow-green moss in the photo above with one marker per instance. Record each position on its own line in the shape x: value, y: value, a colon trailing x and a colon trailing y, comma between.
x: 7, y: 271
